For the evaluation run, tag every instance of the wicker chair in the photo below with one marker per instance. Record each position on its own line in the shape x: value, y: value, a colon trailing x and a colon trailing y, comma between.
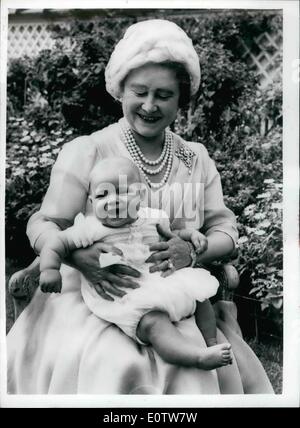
x: 22, y: 286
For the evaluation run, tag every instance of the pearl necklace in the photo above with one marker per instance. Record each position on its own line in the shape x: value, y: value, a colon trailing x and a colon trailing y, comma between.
x: 165, y: 159
x: 143, y: 157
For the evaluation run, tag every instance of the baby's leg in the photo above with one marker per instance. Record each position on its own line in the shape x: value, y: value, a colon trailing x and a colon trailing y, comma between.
x: 206, y: 322
x: 156, y: 328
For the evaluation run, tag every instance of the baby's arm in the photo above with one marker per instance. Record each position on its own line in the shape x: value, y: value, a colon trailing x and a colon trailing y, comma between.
x: 52, y: 254
x: 195, y: 237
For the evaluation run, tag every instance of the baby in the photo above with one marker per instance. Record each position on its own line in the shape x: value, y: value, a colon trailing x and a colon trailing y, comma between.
x: 147, y: 314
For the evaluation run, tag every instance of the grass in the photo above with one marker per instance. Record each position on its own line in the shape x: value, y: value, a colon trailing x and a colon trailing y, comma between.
x: 269, y: 353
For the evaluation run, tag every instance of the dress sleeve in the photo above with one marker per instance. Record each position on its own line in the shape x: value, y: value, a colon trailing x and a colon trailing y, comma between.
x: 67, y: 193
x: 217, y: 217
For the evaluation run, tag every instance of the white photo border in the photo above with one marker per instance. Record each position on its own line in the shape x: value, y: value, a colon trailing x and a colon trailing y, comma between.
x: 291, y: 366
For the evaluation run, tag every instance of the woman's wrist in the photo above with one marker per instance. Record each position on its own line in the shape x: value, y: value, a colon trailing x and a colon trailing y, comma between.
x: 74, y: 259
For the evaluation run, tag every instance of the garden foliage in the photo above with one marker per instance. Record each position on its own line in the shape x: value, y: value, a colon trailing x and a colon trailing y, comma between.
x: 61, y: 94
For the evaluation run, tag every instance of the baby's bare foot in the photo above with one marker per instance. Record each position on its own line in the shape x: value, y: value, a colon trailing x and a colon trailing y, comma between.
x: 215, y: 356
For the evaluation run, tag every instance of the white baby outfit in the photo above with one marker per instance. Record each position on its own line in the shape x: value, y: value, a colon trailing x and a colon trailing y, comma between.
x: 176, y: 295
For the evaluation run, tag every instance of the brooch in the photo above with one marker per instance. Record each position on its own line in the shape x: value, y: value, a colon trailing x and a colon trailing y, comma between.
x: 186, y: 155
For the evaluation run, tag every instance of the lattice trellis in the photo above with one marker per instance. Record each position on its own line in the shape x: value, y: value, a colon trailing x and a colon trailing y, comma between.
x: 264, y: 56
x: 28, y: 39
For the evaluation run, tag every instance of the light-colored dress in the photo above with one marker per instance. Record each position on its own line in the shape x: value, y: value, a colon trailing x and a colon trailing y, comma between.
x: 175, y: 295
x: 58, y: 346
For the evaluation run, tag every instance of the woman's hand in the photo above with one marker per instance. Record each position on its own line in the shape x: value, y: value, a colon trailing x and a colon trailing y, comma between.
x: 105, y: 280
x: 169, y: 256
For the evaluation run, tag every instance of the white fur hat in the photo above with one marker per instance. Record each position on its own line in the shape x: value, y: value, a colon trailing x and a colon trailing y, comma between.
x: 152, y: 41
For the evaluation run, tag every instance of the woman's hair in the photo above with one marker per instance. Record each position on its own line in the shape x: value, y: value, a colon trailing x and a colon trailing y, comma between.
x: 184, y: 81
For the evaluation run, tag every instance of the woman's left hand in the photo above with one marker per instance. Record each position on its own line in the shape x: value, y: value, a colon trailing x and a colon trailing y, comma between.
x: 169, y: 255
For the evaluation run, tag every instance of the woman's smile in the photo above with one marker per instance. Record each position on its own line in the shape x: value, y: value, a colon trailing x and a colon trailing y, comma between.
x: 149, y: 119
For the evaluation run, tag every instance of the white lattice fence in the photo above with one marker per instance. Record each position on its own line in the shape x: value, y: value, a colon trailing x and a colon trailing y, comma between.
x: 28, y: 39
x: 264, y: 56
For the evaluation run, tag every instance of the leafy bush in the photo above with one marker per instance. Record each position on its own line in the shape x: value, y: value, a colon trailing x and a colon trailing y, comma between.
x: 261, y: 246
x: 30, y: 156
x: 61, y: 94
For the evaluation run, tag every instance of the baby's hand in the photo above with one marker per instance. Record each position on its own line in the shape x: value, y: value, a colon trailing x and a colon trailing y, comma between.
x: 50, y: 281
x: 199, y: 241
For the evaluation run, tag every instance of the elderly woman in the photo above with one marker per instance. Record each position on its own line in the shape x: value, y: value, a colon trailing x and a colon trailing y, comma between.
x: 57, y: 345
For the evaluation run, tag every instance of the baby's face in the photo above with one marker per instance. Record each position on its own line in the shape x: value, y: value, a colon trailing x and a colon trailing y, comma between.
x: 117, y: 202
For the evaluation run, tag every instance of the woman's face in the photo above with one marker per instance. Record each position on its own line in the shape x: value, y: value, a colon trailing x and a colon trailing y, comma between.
x: 150, y: 99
